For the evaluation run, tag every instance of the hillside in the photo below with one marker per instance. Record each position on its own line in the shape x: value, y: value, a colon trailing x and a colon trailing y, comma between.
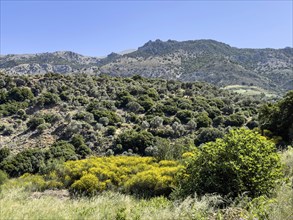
x: 199, y: 60
x: 38, y: 110
x: 82, y: 141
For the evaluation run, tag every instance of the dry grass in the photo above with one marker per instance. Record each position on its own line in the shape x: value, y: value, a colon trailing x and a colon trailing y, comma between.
x: 18, y: 203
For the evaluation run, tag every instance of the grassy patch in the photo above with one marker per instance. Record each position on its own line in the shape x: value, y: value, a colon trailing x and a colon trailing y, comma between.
x: 249, y: 90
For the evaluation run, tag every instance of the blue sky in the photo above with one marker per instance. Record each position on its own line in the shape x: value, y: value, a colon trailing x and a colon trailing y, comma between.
x: 98, y: 28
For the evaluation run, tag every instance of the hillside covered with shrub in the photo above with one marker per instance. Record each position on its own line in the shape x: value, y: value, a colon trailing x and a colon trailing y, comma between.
x: 214, y: 153
x: 113, y: 115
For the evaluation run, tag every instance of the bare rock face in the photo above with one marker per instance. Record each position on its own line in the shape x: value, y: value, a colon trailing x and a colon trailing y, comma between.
x: 199, y: 60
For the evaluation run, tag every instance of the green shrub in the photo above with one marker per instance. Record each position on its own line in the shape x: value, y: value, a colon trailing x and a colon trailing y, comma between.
x: 34, y: 122
x: 42, y: 127
x: 111, y: 130
x: 4, y: 152
x: 137, y: 141
x: 51, y: 118
x: 48, y: 99
x: 8, y: 131
x: 278, y: 117
x: 62, y: 150
x: 84, y: 116
x: 207, y: 135
x: 184, y: 115
x: 243, y: 161
x: 203, y: 120
x: 10, y: 108
x: 28, y: 161
x: 146, y: 102
x: 170, y: 109
x: 112, y: 116
x: 20, y: 94
x: 80, y: 146
x: 3, y: 96
x: 236, y: 120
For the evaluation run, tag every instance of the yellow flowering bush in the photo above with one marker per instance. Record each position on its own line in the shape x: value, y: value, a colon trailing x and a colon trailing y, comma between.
x: 141, y: 175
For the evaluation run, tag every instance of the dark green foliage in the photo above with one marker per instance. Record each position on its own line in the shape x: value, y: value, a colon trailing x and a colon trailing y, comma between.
x: 203, y: 120
x: 134, y: 107
x: 236, y: 120
x: 80, y: 147
x: 112, y: 116
x: 218, y: 121
x: 146, y: 102
x: 62, y: 150
x: 48, y: 99
x: 124, y: 99
x: 184, y: 115
x: 34, y: 122
x: 28, y: 161
x: 111, y: 130
x: 3, y: 96
x: 90, y: 104
x: 20, y: 94
x: 241, y: 162
x: 252, y: 124
x: 169, y: 109
x: 278, y: 117
x: 50, y: 118
x: 152, y: 93
x: 4, y: 152
x: 10, y: 108
x: 84, y: 116
x: 136, y: 141
x: 207, y: 135
x: 35, y: 160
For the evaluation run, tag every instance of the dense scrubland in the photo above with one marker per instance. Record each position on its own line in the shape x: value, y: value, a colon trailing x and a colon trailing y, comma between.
x: 86, y: 147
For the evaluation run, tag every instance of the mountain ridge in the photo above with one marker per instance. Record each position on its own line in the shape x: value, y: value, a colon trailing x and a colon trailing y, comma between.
x: 194, y: 60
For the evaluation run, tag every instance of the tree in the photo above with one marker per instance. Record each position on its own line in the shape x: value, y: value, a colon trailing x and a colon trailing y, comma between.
x: 48, y: 99
x: 203, y: 120
x: 4, y: 152
x: 136, y: 141
x: 20, y: 94
x: 236, y: 120
x: 184, y: 115
x: 80, y: 147
x: 62, y: 150
x: 243, y: 161
x: 208, y: 134
x: 278, y: 118
x: 27, y: 161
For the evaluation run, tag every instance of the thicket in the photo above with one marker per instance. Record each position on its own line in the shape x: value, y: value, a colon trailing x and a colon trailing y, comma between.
x: 185, y: 129
x: 142, y: 176
x: 102, y: 109
x: 38, y: 160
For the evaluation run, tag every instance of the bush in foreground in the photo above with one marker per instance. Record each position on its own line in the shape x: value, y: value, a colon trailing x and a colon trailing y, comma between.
x: 241, y: 162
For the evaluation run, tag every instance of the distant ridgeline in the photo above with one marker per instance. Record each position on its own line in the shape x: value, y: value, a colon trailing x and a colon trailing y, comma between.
x: 252, y: 70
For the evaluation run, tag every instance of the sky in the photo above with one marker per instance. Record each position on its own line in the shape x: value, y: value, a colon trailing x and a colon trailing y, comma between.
x: 97, y: 28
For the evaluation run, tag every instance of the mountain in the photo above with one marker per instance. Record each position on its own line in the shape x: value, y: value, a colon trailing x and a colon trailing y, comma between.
x: 197, y: 60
